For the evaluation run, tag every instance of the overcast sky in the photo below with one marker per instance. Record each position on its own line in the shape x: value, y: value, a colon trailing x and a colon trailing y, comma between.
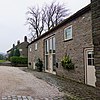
x: 12, y: 18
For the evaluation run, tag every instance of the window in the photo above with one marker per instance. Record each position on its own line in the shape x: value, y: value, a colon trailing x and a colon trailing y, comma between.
x: 90, y: 58
x: 35, y: 46
x: 50, y: 41
x: 53, y: 43
x: 20, y: 50
x: 30, y: 49
x: 46, y: 46
x: 46, y: 61
x: 68, y: 33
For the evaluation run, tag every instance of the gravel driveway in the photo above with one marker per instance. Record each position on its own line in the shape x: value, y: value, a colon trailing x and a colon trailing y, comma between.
x: 14, y: 81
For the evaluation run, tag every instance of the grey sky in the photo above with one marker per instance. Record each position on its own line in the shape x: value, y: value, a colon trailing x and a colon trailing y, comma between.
x: 12, y: 18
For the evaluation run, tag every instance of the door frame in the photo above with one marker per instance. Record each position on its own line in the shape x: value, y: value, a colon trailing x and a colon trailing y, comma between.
x: 85, y: 61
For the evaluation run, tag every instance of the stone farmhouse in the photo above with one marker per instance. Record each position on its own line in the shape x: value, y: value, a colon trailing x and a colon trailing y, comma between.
x: 22, y: 48
x: 72, y: 37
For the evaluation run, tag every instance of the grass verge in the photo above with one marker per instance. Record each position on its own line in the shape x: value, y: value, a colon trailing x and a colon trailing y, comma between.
x: 2, y: 61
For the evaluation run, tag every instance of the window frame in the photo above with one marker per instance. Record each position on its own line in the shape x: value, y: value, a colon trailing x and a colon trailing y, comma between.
x: 65, y: 35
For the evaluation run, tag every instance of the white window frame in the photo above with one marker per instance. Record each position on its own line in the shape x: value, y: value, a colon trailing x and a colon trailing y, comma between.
x: 65, y: 38
x: 35, y: 46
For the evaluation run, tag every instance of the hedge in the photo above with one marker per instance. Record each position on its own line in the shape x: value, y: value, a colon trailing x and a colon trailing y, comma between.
x: 19, y: 60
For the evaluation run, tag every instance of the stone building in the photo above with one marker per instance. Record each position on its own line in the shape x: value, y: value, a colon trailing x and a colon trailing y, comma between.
x: 95, y: 6
x: 72, y: 37
x: 22, y: 47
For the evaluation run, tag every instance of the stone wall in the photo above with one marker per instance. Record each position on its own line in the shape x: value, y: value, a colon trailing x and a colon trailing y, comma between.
x: 81, y: 39
x: 95, y: 6
x: 33, y: 55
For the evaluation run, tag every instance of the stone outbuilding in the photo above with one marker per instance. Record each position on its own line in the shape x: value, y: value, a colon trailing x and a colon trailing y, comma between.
x: 72, y: 37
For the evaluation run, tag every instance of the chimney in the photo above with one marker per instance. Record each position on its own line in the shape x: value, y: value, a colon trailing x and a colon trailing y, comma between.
x: 13, y: 46
x: 18, y: 42
x: 25, y: 39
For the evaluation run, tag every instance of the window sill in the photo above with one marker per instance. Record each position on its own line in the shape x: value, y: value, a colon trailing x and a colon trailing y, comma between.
x: 67, y: 40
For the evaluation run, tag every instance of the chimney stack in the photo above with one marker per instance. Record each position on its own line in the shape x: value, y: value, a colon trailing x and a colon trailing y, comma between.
x: 18, y: 42
x: 25, y: 39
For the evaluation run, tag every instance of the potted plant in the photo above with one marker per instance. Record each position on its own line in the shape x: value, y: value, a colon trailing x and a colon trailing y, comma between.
x: 39, y: 65
x: 67, y: 63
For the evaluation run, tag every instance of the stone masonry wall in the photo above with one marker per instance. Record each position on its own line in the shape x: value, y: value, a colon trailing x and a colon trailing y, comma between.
x: 39, y: 53
x: 95, y: 6
x: 82, y: 39
x: 33, y: 55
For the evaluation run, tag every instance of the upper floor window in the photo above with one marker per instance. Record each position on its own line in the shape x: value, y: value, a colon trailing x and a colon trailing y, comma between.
x: 68, y: 33
x: 35, y: 46
x: 50, y: 45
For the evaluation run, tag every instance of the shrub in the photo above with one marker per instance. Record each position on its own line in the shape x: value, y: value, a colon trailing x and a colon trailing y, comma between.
x: 39, y: 64
x: 18, y: 60
x: 67, y: 63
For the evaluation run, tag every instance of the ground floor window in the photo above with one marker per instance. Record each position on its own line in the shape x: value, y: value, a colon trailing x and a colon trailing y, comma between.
x: 90, y: 58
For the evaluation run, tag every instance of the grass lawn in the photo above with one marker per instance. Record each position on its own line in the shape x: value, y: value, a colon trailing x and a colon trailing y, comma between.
x: 1, y: 61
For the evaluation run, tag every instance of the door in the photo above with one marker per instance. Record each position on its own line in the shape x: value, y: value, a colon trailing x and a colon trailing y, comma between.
x: 50, y: 55
x: 90, y: 68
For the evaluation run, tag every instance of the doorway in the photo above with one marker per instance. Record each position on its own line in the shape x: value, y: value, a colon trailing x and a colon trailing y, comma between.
x: 50, y: 60
x: 90, y: 77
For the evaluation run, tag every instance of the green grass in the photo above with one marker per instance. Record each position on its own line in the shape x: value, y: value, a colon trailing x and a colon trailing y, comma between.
x: 1, y: 61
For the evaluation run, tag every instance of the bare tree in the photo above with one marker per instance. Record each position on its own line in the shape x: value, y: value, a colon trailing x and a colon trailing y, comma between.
x: 35, y: 20
x: 47, y: 18
x: 54, y: 14
x: 60, y: 14
x: 49, y: 12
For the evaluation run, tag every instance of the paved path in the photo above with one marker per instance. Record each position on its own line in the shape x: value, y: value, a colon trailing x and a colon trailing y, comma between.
x: 15, y: 82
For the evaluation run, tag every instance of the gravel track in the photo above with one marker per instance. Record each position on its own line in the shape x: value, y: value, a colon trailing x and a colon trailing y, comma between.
x: 14, y: 81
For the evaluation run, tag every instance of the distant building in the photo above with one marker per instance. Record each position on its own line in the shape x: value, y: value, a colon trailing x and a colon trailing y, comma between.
x: 22, y: 47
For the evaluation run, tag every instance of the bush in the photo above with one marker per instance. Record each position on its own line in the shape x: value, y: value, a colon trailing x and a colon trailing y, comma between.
x: 39, y: 64
x: 67, y: 63
x: 18, y: 60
